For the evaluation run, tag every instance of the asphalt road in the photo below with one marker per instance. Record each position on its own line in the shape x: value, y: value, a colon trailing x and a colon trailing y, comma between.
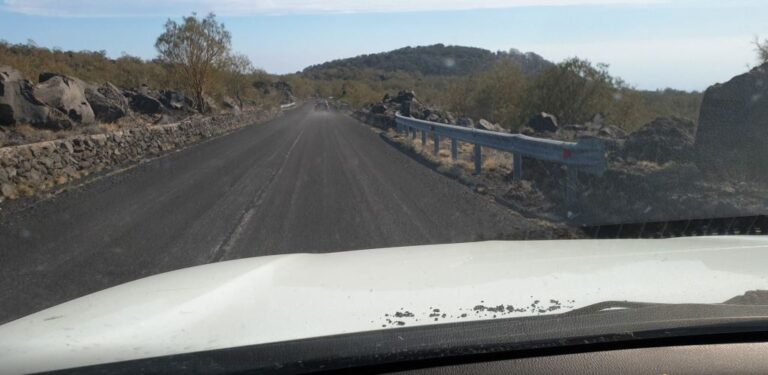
x: 306, y: 182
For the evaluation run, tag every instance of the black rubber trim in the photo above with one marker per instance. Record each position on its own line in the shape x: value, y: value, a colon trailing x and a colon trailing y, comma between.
x: 588, y: 345
x: 445, y: 344
x: 743, y: 225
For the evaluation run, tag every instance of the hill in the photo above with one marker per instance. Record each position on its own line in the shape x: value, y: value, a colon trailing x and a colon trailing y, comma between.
x: 434, y: 60
x: 507, y: 88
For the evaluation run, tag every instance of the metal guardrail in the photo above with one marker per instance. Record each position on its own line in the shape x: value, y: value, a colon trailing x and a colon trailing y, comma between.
x: 288, y: 106
x: 587, y: 155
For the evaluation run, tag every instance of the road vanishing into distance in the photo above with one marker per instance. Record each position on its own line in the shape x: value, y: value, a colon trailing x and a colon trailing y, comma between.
x: 308, y: 181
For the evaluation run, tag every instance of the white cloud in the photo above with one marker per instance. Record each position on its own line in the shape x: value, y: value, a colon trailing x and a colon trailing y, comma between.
x: 96, y: 8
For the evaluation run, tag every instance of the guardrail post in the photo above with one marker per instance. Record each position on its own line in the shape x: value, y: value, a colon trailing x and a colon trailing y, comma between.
x: 572, y: 175
x: 454, y: 149
x: 436, y: 149
x: 413, y: 133
x: 478, y: 159
x: 517, y: 171
x: 423, y: 138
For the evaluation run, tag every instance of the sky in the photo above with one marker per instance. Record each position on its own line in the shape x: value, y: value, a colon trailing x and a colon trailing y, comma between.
x: 682, y: 44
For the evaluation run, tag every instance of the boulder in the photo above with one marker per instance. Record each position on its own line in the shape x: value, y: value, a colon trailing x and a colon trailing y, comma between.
x: 18, y: 103
x: 612, y: 136
x: 175, y: 100
x: 543, y: 122
x: 285, y: 91
x: 527, y: 131
x: 412, y: 108
x: 484, y: 124
x: 107, y: 102
x: 378, y: 108
x: 44, y: 76
x: 65, y: 94
x: 404, y: 96
x: 282, y: 89
x: 230, y: 103
x: 264, y: 87
x: 733, y: 127
x: 436, y: 115
x: 465, y: 121
x: 283, y: 86
x: 661, y: 141
x: 145, y: 104
x: 449, y: 118
x: 611, y: 131
x: 599, y: 128
x: 210, y: 106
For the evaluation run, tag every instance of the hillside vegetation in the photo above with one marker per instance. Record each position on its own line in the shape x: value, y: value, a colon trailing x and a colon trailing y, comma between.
x: 132, y: 72
x: 434, y: 60
x: 504, y: 87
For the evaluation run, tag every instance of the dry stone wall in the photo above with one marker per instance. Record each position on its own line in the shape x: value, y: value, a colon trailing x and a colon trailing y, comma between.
x: 27, y: 169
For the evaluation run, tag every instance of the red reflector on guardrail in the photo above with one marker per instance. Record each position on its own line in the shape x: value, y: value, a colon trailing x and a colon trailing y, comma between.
x: 566, y: 154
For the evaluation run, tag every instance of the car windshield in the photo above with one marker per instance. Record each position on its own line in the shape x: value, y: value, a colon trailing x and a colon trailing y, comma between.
x: 332, y: 167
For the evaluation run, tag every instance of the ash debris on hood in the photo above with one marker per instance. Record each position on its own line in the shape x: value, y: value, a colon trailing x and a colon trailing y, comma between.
x: 480, y: 311
x: 397, y: 319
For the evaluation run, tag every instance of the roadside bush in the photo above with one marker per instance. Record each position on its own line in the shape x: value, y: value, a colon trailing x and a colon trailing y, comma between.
x: 574, y: 91
x: 494, y: 95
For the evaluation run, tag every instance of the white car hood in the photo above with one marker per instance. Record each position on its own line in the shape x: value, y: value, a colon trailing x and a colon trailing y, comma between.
x: 287, y: 297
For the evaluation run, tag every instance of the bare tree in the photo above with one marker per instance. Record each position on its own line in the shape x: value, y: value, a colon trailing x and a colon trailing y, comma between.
x: 196, y: 47
x: 238, y: 66
x: 762, y: 50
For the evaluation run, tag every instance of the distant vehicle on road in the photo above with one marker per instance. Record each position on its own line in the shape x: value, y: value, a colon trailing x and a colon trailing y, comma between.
x: 322, y: 105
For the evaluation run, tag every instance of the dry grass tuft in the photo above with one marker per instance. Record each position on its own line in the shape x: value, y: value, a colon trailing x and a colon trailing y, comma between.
x: 25, y: 190
x: 32, y: 134
x: 497, y: 161
x: 25, y: 133
x: 493, y: 161
x: 467, y: 166
x: 109, y: 127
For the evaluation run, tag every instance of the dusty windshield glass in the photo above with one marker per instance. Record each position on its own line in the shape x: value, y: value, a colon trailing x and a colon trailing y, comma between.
x: 138, y: 139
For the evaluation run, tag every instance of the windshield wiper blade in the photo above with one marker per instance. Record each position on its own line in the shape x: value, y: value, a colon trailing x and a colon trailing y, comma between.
x: 735, y: 225
x: 749, y: 298
x: 610, y: 306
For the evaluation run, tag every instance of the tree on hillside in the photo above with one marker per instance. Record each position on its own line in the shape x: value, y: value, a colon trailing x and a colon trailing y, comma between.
x: 237, y: 67
x: 494, y: 95
x: 762, y: 50
x: 574, y: 91
x: 196, y: 48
